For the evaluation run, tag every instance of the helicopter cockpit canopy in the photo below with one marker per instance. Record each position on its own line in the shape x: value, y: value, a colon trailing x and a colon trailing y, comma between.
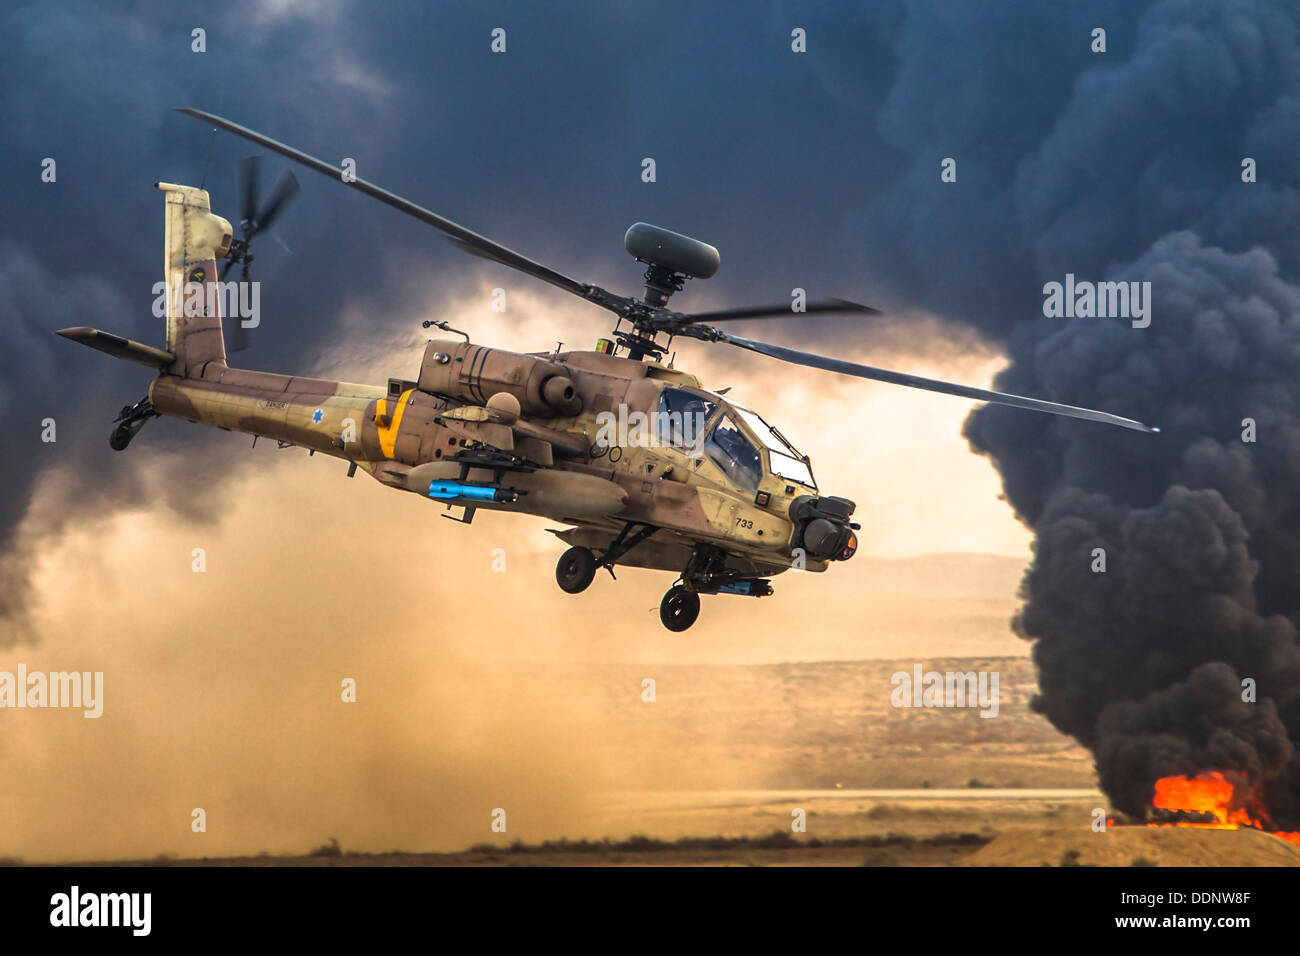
x: 737, y: 440
x: 684, y: 417
x: 783, y: 460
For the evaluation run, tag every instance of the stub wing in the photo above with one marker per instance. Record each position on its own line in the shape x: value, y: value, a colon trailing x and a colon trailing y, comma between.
x: 121, y: 348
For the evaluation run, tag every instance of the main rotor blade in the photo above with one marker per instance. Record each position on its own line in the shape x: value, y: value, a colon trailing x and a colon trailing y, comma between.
x: 766, y: 311
x: 469, y: 250
x: 487, y: 247
x: 930, y: 384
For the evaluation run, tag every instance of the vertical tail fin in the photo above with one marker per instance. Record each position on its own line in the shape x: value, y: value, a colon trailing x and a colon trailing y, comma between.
x: 195, y: 239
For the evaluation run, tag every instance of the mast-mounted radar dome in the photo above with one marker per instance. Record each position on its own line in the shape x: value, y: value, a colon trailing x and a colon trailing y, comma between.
x: 671, y: 257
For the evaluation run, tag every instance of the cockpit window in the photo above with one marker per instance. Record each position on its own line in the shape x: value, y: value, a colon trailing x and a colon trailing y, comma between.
x: 729, y: 449
x: 791, y: 468
x: 681, y: 419
x: 785, y: 461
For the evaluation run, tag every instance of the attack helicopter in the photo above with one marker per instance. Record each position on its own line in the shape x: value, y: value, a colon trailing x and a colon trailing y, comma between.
x: 643, y: 465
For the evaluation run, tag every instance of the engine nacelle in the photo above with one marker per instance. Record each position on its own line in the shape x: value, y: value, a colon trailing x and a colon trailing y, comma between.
x: 474, y: 373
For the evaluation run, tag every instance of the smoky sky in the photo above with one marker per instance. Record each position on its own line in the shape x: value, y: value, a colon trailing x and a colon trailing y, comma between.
x: 818, y: 170
x: 1128, y: 166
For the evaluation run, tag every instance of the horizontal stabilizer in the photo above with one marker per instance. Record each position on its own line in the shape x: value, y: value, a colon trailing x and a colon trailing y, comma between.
x: 119, y: 347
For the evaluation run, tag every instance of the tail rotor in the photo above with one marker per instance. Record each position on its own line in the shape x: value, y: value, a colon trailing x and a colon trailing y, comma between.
x: 255, y: 218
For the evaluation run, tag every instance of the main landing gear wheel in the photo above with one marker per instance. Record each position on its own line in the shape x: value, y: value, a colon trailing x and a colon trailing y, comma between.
x: 575, y: 570
x: 679, y: 608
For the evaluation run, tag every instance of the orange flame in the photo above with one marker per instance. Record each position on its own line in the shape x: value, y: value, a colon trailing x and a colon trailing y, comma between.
x: 1213, y: 795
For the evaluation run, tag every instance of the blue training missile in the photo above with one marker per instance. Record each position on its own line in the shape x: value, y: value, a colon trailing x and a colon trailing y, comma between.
x: 449, y: 490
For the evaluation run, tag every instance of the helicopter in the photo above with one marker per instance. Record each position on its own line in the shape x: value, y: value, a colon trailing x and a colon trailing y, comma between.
x: 643, y: 465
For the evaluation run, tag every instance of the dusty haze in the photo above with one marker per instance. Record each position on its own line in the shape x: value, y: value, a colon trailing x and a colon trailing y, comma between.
x: 222, y: 689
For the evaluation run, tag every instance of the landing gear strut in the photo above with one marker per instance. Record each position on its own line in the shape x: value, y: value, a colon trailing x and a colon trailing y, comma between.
x: 627, y: 540
x: 131, y: 419
x: 705, y: 573
x: 577, y: 566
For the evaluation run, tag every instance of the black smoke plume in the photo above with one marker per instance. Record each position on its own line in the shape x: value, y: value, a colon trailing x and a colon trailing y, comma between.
x: 1128, y: 167
x: 1144, y: 663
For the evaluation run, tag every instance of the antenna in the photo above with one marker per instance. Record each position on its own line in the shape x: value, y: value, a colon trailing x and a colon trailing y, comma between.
x: 208, y: 165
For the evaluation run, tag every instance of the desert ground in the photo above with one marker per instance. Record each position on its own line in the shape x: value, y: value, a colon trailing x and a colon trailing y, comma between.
x: 732, y: 747
x: 728, y: 755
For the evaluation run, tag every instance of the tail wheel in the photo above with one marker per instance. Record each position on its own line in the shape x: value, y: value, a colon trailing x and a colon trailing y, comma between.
x: 121, y: 437
x: 575, y: 570
x: 679, y: 608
